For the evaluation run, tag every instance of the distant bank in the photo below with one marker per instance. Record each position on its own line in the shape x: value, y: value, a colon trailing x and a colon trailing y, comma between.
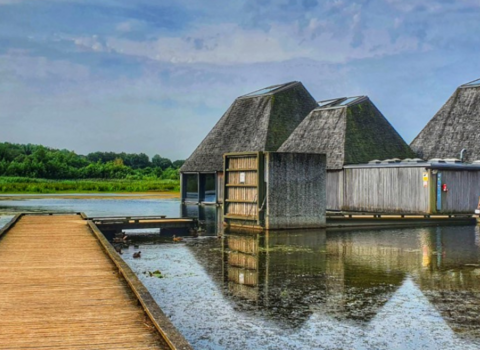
x: 39, y: 186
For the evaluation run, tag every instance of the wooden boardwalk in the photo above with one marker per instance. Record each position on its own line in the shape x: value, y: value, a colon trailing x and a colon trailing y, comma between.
x: 59, y: 290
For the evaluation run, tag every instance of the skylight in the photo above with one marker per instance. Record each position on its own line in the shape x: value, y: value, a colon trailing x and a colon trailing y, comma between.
x: 327, y: 102
x: 473, y: 83
x: 339, y: 102
x: 264, y: 91
x: 349, y: 100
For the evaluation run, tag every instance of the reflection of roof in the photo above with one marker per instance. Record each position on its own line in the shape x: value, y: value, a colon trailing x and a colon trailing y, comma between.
x: 258, y: 121
x: 412, y: 322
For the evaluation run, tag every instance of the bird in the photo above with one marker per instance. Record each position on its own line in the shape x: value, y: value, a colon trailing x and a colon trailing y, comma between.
x: 177, y: 239
x: 137, y: 255
x: 118, y: 249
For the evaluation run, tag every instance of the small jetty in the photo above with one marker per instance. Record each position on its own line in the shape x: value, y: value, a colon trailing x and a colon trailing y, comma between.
x: 114, y: 224
x: 63, y: 287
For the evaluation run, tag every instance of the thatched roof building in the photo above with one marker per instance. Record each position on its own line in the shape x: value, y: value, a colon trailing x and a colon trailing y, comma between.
x: 455, y: 127
x: 258, y: 121
x: 349, y: 131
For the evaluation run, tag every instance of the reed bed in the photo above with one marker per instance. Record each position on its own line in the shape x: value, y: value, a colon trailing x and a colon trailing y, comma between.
x: 30, y: 185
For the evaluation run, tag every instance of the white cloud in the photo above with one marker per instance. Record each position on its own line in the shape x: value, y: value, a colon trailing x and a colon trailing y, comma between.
x: 228, y: 44
x: 431, y: 6
x: 125, y: 27
x: 93, y: 43
x: 21, y: 65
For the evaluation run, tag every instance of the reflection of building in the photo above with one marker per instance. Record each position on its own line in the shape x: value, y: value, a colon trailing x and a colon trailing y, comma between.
x: 305, y: 271
x: 243, y: 266
x: 210, y: 217
x: 348, y: 275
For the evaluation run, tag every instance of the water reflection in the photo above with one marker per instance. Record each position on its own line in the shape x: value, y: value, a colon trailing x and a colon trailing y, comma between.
x: 362, y: 289
x: 208, y: 215
x: 353, y: 276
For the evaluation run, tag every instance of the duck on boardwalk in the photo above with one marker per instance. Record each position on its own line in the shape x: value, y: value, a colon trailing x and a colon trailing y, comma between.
x: 137, y: 255
x: 177, y: 239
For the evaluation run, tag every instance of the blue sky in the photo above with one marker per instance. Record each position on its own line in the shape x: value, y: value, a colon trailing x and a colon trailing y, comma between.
x: 154, y: 77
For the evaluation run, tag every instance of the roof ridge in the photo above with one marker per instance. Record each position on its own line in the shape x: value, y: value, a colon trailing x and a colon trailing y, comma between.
x: 272, y: 89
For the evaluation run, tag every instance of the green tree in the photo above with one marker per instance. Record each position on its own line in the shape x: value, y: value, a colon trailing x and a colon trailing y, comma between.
x: 162, y: 163
x: 178, y: 164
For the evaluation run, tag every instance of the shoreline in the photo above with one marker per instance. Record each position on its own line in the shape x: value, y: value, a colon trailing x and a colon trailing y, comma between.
x: 91, y: 195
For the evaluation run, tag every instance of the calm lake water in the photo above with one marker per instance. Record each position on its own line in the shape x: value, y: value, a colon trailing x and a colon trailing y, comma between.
x: 359, y: 289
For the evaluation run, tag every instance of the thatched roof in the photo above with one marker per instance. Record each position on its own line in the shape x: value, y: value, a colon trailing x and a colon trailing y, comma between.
x: 455, y: 127
x: 259, y: 121
x: 349, y: 131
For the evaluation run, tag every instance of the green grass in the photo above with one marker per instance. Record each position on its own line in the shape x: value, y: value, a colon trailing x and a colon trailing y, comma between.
x: 29, y: 185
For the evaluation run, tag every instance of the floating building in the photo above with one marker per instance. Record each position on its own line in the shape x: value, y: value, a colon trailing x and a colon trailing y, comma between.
x: 454, y: 128
x: 258, y: 121
x: 438, y: 186
x: 274, y: 191
x: 349, y: 130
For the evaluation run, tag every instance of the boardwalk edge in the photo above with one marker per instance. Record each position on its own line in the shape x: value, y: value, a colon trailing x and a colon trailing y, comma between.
x: 162, y: 323
x: 10, y: 224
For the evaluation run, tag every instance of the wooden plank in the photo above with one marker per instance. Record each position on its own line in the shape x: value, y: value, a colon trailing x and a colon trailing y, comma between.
x: 160, y: 321
x: 59, y: 290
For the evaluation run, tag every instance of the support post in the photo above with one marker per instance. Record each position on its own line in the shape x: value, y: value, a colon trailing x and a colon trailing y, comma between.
x: 183, y: 188
x: 201, y: 187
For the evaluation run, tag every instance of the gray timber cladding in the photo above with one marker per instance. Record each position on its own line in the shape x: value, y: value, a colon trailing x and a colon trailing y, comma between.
x: 296, y: 195
x: 463, y: 191
x: 350, y: 134
x: 259, y: 122
x: 455, y: 127
x: 386, y: 189
x: 334, y: 190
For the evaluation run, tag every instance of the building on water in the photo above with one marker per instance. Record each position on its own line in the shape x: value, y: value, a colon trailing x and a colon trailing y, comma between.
x: 455, y: 127
x: 437, y: 186
x: 258, y: 121
x: 349, y: 130
x: 274, y: 191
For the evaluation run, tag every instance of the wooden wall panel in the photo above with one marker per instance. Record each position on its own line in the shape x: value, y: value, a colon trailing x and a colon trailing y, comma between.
x: 463, y: 191
x: 334, y: 190
x: 386, y: 190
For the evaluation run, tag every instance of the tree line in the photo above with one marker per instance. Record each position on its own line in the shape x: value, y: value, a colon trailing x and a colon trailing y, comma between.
x: 37, y: 161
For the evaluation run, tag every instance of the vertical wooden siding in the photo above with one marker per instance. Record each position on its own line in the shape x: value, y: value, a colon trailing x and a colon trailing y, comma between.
x: 242, y: 201
x: 247, y: 162
x: 386, y: 190
x: 463, y: 191
x: 334, y: 190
